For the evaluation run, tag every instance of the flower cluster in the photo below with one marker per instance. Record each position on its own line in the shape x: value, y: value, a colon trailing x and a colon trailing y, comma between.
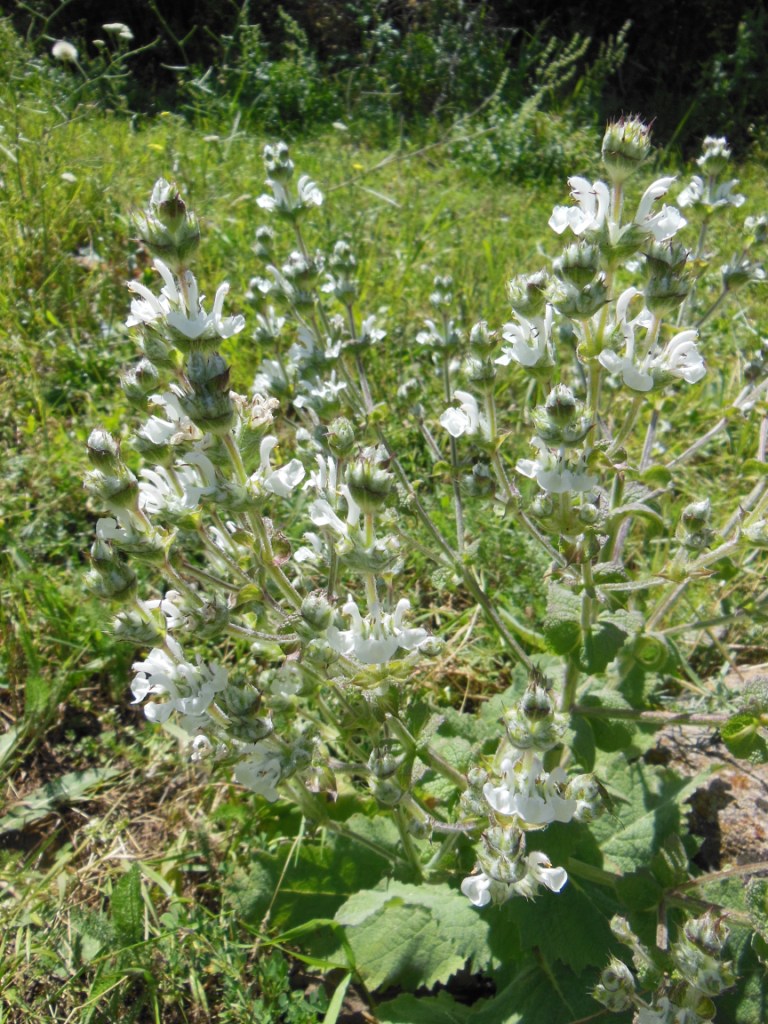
x: 525, y: 798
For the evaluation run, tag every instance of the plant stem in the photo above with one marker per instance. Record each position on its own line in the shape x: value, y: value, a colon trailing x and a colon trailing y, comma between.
x: 662, y: 718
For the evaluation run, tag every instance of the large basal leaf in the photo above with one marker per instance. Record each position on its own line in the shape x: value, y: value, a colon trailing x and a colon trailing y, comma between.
x: 413, y: 935
x: 648, y: 806
x: 319, y: 876
x: 570, y: 927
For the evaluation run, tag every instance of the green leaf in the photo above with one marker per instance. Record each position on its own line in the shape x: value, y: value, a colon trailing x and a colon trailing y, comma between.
x: 562, y: 624
x: 568, y: 928
x: 760, y: 948
x: 74, y: 787
x: 648, y: 807
x: 610, y: 735
x: 656, y: 476
x: 413, y: 935
x: 742, y: 735
x: 127, y: 908
x: 670, y: 864
x: 318, y: 878
x: 601, y: 646
x: 408, y: 1009
x: 640, y: 890
x: 583, y: 743
x: 540, y: 993
x: 754, y: 467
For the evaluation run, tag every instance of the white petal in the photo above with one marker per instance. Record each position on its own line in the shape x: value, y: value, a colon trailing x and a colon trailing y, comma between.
x: 475, y: 888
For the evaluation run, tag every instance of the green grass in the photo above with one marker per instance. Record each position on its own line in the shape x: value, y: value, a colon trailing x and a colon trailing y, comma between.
x: 117, y: 858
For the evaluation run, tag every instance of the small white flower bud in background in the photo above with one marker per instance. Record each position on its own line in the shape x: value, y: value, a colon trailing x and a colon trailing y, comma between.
x: 64, y: 51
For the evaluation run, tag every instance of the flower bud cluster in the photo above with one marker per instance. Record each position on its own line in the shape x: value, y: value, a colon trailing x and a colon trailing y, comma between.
x: 685, y: 979
x: 707, y: 191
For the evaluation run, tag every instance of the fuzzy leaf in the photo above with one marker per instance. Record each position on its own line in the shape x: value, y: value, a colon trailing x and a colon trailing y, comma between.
x: 568, y: 928
x: 742, y: 735
x: 610, y: 735
x: 407, y: 1009
x: 540, y: 993
x: 318, y: 879
x: 413, y: 935
x: 648, y: 806
x: 562, y: 625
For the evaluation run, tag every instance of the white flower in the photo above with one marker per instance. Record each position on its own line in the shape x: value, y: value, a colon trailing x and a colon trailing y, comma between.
x: 188, y: 689
x: 540, y: 868
x: 593, y: 206
x: 679, y: 358
x: 322, y: 514
x: 64, y: 51
x: 181, y: 309
x: 668, y: 221
x: 530, y: 341
x: 476, y: 889
x: 466, y: 419
x: 277, y: 481
x: 117, y: 28
x: 196, y: 324
x: 261, y: 771
x: 170, y: 606
x: 530, y: 793
x: 482, y: 888
x: 319, y: 392
x: 176, y: 426
x: 431, y: 336
x: 713, y: 195
x: 323, y: 479
x: 309, y: 193
x: 557, y: 473
x: 375, y: 639
x: 149, y: 308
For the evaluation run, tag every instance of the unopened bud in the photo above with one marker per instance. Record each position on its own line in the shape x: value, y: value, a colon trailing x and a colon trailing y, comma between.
x: 626, y: 145
x: 369, y: 484
x: 481, y: 339
x: 528, y: 294
x: 616, y: 987
x: 277, y: 160
x: 665, y: 292
x: 103, y: 450
x: 581, y: 304
x: 140, y: 381
x: 578, y: 264
x: 317, y: 612
x: 167, y: 228
x: 341, y: 437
